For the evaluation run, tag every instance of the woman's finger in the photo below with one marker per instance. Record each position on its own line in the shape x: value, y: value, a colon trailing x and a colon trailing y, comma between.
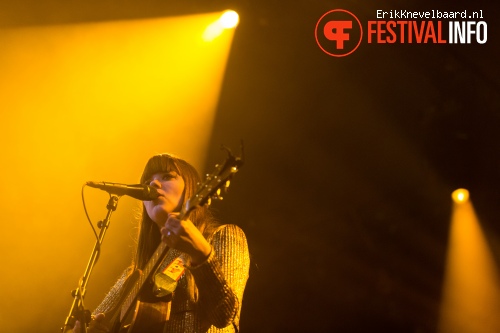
x: 99, y: 317
x: 97, y: 324
x: 76, y: 328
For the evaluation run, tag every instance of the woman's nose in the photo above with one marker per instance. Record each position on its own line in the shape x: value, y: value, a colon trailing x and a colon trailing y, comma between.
x: 155, y: 183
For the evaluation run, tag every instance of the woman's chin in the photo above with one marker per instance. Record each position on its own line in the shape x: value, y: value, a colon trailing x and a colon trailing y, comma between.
x: 158, y: 214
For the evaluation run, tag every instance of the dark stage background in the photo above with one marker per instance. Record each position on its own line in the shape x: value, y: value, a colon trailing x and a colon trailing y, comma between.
x: 350, y: 162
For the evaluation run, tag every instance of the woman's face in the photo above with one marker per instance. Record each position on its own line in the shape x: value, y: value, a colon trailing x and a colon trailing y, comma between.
x: 170, y: 187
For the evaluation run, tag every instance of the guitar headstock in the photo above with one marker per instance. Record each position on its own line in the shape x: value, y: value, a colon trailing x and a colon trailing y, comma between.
x: 214, y: 183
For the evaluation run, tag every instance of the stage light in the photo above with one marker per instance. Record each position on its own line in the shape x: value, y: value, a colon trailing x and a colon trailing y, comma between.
x: 229, y: 19
x: 460, y: 195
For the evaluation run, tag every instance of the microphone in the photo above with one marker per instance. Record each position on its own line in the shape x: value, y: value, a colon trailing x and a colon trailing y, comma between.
x: 137, y: 191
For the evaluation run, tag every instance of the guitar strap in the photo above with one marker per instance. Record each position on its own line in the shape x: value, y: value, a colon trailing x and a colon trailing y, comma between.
x: 166, y: 280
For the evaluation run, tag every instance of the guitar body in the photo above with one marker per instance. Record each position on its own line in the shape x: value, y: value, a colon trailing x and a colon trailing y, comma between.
x: 149, y: 317
x: 135, y: 316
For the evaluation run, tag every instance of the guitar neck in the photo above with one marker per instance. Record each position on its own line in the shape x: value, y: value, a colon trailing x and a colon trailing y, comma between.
x: 147, y: 272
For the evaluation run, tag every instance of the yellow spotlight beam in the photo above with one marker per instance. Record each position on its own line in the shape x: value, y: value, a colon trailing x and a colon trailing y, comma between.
x: 471, y: 294
x: 86, y: 102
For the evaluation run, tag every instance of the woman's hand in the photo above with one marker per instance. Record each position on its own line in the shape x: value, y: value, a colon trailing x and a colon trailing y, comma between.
x: 96, y: 325
x: 185, y: 237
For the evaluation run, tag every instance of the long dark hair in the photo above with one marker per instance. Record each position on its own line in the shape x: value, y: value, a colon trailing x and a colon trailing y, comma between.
x: 149, y: 234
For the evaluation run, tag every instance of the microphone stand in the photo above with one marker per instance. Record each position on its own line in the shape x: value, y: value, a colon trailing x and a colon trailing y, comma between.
x: 78, y: 311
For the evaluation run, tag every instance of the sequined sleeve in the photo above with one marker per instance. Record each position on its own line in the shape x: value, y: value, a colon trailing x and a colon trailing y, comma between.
x: 221, y: 279
x: 112, y: 297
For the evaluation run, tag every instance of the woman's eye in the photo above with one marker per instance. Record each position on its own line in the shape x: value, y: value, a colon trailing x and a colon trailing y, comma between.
x: 167, y: 176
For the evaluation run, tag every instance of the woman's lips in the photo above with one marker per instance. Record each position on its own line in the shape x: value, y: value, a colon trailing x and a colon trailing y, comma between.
x: 161, y: 197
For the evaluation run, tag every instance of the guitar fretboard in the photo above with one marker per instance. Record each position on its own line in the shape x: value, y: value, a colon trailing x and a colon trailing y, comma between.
x: 152, y: 264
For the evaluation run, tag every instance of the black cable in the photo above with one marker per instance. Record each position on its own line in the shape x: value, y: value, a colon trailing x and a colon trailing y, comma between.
x: 88, y: 217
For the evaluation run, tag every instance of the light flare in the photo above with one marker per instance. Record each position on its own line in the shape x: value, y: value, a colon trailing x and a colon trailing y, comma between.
x: 227, y: 21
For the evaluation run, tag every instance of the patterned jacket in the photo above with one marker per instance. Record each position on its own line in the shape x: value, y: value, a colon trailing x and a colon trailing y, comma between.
x: 220, y: 281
